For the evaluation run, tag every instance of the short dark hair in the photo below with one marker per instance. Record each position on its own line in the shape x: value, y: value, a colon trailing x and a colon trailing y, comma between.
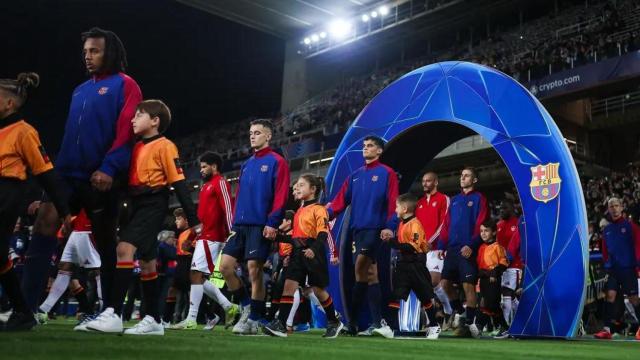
x: 264, y: 122
x: 179, y: 212
x: 212, y: 158
x: 490, y: 224
x: 409, y: 200
x: 376, y: 140
x: 472, y: 169
x: 157, y: 108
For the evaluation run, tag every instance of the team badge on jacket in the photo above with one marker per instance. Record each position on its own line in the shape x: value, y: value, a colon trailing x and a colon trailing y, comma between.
x: 545, y: 182
x: 264, y: 168
x: 103, y: 90
x: 374, y: 178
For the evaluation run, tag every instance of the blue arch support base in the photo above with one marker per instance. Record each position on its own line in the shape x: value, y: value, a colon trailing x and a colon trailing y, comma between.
x: 428, y: 109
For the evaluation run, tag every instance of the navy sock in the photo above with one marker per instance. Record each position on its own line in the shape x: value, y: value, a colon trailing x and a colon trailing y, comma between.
x: 359, y: 290
x: 375, y: 300
x: 456, y: 305
x: 241, y: 296
x: 36, y: 268
x: 257, y: 309
x: 471, y: 315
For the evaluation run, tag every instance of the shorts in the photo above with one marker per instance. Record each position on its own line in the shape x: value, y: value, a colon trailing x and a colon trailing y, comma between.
x: 511, y: 278
x: 434, y: 263
x: 456, y: 268
x: 80, y: 251
x: 11, y: 203
x: 490, y: 295
x: 147, y: 218
x: 408, y: 276
x: 366, y: 242
x: 247, y: 243
x: 205, y: 255
x: 302, y: 268
x: 624, y: 279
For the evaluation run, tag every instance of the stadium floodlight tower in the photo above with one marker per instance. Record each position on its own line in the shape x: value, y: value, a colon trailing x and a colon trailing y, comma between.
x: 428, y: 109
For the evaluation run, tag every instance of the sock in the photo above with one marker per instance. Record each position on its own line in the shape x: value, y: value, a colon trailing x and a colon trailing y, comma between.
x: 291, y: 314
x: 507, y: 308
x: 471, y: 315
x: 444, y: 300
x: 169, y: 308
x: 36, y: 268
x: 609, y: 313
x: 195, y: 297
x: 284, y: 308
x: 58, y: 288
x: 482, y: 319
x: 514, y: 306
x: 636, y: 309
x: 329, y: 310
x: 392, y: 321
x: 241, y: 296
x: 314, y: 300
x: 99, y: 291
x: 11, y: 287
x: 431, y: 313
x: 359, y: 290
x: 257, y: 309
x: 83, y: 303
x: 150, y: 294
x: 122, y: 278
x: 213, y: 292
x: 375, y: 302
x: 456, y: 305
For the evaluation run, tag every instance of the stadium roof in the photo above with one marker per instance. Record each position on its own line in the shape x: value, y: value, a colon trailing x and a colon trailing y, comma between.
x: 283, y: 18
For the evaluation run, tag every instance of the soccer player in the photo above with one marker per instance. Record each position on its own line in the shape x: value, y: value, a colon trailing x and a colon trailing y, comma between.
x: 507, y: 228
x: 371, y: 191
x: 309, y: 257
x: 215, y: 214
x: 492, y: 262
x: 621, y: 253
x: 181, y: 281
x: 461, y: 239
x: 431, y: 211
x: 410, y: 272
x: 155, y: 167
x: 95, y: 153
x: 80, y: 252
x: 20, y: 150
x: 261, y: 196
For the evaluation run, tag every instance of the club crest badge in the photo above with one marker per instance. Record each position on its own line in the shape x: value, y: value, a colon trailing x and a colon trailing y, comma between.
x: 264, y: 168
x: 103, y: 90
x: 374, y: 178
x: 545, y: 182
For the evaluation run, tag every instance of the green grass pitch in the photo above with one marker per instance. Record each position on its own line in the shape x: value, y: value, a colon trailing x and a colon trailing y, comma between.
x: 57, y: 340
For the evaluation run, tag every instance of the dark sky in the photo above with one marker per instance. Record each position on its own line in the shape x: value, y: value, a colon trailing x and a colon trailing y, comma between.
x: 207, y: 69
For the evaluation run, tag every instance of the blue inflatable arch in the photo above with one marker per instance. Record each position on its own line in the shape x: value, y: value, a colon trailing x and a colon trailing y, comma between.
x: 426, y: 110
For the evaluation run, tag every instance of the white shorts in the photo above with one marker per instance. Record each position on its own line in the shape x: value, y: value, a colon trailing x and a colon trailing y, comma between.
x: 205, y: 256
x: 511, y: 278
x: 81, y: 251
x: 434, y: 264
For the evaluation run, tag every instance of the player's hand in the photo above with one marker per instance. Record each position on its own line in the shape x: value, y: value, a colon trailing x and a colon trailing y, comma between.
x: 66, y: 225
x: 334, y: 260
x: 440, y: 254
x: 33, y: 207
x: 492, y: 280
x: 101, y: 181
x: 386, y: 235
x: 269, y: 232
x: 285, y: 226
x: 308, y: 253
x: 466, y: 252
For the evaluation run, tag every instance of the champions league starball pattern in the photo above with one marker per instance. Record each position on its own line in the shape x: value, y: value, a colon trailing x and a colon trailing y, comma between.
x: 433, y: 98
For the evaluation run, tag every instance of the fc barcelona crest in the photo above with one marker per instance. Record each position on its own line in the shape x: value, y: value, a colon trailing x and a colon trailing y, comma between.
x: 545, y: 182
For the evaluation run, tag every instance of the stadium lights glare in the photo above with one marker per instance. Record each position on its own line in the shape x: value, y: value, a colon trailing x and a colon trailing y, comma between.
x: 323, y: 35
x: 339, y: 28
x: 365, y: 18
x: 315, y: 38
x: 374, y: 14
x: 307, y: 41
x: 383, y: 10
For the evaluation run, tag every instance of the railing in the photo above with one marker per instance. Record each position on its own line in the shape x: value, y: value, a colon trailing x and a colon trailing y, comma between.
x: 579, y: 27
x: 614, y: 105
